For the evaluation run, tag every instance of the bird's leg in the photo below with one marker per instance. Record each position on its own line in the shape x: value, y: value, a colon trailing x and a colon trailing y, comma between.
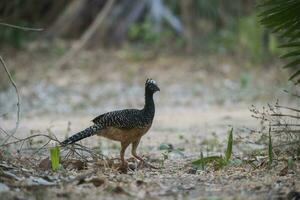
x: 133, y: 152
x: 124, y: 163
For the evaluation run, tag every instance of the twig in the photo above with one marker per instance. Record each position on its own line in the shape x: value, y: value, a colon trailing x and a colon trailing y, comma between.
x: 27, y: 138
x: 284, y: 115
x: 18, y: 100
x: 6, y: 133
x: 42, y: 146
x: 86, y: 149
x: 288, y: 108
x: 284, y: 130
x: 23, y: 28
x: 287, y: 125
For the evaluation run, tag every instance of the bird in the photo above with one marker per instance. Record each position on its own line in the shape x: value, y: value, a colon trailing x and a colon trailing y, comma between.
x: 126, y: 126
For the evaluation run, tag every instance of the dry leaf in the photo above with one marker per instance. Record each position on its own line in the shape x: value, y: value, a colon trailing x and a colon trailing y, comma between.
x: 284, y: 171
x: 97, y: 182
x: 45, y: 164
x: 74, y: 164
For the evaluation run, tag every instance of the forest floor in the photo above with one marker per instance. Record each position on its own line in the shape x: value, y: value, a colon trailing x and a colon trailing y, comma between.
x: 201, y: 98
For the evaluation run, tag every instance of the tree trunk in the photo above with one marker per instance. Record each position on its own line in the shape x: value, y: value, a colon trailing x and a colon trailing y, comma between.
x: 85, y: 38
x: 77, y: 17
x: 187, y: 8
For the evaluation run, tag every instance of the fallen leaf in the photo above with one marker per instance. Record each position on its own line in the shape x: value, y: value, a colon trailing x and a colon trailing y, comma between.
x: 139, y: 183
x: 119, y: 190
x: 74, y: 164
x: 97, y: 181
x: 284, y: 171
x: 45, y: 164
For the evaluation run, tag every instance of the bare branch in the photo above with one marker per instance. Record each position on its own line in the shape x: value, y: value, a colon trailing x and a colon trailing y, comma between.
x: 23, y: 28
x: 18, y: 100
x: 30, y: 137
x: 287, y: 125
x: 284, y: 115
x: 288, y: 108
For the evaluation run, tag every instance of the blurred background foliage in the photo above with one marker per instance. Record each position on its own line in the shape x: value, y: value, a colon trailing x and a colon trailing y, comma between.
x: 214, y: 26
x: 283, y: 17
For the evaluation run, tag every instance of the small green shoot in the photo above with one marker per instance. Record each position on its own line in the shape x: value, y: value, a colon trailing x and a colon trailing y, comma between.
x: 291, y: 164
x: 229, y: 146
x: 202, y: 164
x: 54, y: 155
x: 270, y: 149
x: 219, y: 161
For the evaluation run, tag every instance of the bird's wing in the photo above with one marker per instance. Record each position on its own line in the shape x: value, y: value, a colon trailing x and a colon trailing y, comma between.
x: 97, y: 119
x: 128, y: 118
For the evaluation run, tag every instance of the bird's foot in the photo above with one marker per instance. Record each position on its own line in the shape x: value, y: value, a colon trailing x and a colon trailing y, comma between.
x: 123, y: 168
x: 143, y: 164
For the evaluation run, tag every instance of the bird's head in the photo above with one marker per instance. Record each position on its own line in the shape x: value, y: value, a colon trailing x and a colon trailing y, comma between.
x: 151, y: 86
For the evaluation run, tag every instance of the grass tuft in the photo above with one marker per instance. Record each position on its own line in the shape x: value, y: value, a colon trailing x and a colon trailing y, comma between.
x: 54, y: 155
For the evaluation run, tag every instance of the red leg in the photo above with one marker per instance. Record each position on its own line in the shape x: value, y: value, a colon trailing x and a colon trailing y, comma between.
x: 124, y: 163
x: 133, y: 152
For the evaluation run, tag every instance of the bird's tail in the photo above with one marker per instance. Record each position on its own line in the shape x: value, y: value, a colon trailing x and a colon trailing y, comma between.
x: 92, y: 130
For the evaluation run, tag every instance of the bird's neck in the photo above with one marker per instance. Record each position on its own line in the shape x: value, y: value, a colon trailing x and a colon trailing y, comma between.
x: 149, y: 104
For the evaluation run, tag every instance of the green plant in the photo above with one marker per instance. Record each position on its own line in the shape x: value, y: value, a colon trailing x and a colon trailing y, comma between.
x: 54, y: 156
x: 219, y: 161
x: 270, y: 148
x: 229, y: 146
x: 283, y: 17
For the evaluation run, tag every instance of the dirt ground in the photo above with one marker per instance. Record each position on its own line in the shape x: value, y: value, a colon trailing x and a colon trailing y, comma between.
x: 201, y: 97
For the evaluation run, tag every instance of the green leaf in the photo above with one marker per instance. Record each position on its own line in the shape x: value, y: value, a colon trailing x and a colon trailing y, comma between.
x: 292, y: 64
x: 270, y: 148
x: 297, y: 73
x: 202, y: 165
x: 54, y: 155
x: 290, y: 54
x: 290, y: 44
x: 229, y: 145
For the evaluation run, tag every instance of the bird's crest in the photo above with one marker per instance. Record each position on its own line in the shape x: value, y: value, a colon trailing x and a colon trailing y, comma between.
x: 149, y: 80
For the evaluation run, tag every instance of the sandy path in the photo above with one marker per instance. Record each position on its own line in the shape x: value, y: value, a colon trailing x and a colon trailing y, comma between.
x: 168, y: 126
